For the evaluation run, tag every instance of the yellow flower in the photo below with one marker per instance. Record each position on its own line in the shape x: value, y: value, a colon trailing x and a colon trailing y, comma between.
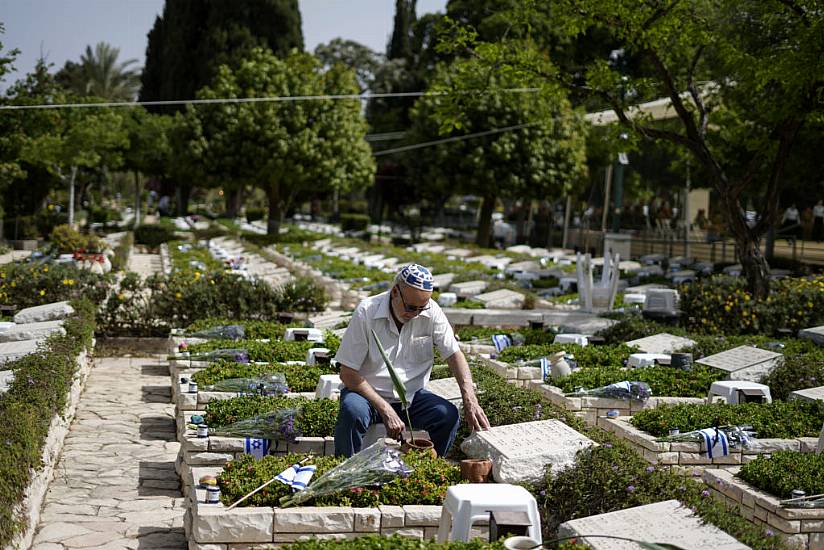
x: 42, y: 292
x: 13, y: 284
x: 178, y: 295
x: 121, y: 296
x: 46, y: 269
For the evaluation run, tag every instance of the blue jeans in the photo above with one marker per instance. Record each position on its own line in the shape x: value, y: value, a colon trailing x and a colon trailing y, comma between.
x: 428, y: 412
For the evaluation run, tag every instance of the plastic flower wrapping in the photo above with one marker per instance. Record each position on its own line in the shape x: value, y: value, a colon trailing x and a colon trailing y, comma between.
x: 640, y: 391
x: 236, y: 355
x: 224, y: 332
x: 275, y: 425
x: 377, y: 464
x: 269, y: 384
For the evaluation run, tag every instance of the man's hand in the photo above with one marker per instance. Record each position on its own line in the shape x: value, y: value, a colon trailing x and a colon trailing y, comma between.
x: 475, y: 416
x: 393, y: 423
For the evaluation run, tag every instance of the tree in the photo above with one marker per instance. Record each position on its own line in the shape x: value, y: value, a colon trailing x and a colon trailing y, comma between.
x: 353, y: 55
x: 752, y: 51
x: 288, y: 148
x: 149, y: 149
x: 100, y: 75
x: 543, y: 153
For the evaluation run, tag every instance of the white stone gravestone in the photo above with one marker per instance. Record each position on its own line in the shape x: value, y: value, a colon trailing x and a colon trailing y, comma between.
x: 458, y: 252
x: 520, y: 452
x: 666, y: 522
x: 815, y: 334
x: 468, y: 289
x: 642, y: 289
x: 503, y: 299
x: 447, y: 388
x: 442, y: 281
x: 6, y: 378
x: 9, y: 351
x: 32, y: 331
x: 661, y: 299
x: 46, y: 312
x: 661, y: 343
x: 810, y: 394
x: 640, y: 360
x: 744, y: 362
x: 447, y: 299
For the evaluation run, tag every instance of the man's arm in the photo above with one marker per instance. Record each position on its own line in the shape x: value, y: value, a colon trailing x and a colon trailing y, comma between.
x: 356, y: 383
x: 473, y: 413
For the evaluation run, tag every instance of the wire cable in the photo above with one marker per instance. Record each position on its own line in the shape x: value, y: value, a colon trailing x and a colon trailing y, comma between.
x: 453, y: 138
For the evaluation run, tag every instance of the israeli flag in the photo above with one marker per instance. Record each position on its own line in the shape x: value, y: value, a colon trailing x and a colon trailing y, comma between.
x: 287, y: 476
x: 546, y: 368
x: 303, y: 476
x: 256, y: 447
x: 716, y: 442
x: 501, y: 342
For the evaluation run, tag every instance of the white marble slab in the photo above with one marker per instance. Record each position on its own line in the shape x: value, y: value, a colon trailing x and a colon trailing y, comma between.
x: 32, y: 331
x: 810, y: 394
x: 468, y: 289
x: 46, y: 312
x: 447, y: 388
x: 9, y: 351
x: 816, y: 334
x: 502, y: 298
x: 744, y: 362
x: 664, y: 522
x: 661, y: 343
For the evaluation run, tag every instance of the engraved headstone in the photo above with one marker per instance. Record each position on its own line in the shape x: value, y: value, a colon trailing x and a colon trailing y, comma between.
x: 468, y: 289
x: 46, y: 312
x: 661, y: 299
x: 665, y: 522
x: 442, y: 281
x: 744, y: 362
x: 32, y: 331
x: 815, y: 334
x: 661, y: 343
x: 447, y: 388
x: 810, y: 394
x: 458, y: 252
x: 642, y: 289
x: 520, y: 452
x: 9, y: 351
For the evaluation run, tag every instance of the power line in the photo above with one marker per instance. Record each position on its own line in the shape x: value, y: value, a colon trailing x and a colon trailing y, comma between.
x: 454, y: 138
x: 214, y: 101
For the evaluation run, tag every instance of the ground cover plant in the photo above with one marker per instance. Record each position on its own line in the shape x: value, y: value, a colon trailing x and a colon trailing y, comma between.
x: 531, y: 336
x: 395, y: 542
x: 192, y: 257
x: 316, y: 417
x: 586, y: 356
x: 277, y: 351
x: 426, y: 485
x: 152, y: 236
x: 299, y: 378
x: 31, y: 284
x: 39, y: 391
x: 663, y: 380
x: 785, y: 471
x: 782, y: 420
x: 253, y: 330
x: 797, y: 372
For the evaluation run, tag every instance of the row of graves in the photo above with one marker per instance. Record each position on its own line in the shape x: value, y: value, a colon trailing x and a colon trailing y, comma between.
x: 256, y: 409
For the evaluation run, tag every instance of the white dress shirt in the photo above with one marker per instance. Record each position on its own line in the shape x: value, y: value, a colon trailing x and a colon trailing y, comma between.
x: 410, y: 349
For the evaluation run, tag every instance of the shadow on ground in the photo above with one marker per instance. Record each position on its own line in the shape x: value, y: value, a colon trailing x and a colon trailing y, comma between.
x: 158, y: 479
x: 161, y: 538
x: 154, y: 370
x: 156, y: 394
x: 157, y: 428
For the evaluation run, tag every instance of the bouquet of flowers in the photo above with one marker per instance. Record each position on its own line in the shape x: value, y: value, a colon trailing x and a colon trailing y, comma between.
x: 236, y: 355
x: 225, y: 332
x: 275, y: 425
x: 374, y: 465
x: 719, y: 439
x: 640, y: 391
x: 269, y: 384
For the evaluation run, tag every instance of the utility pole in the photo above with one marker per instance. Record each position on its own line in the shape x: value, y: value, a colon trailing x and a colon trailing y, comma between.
x: 617, y: 58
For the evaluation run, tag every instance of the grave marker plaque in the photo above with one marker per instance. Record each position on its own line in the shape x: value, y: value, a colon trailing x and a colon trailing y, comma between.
x: 744, y: 362
x: 661, y: 343
x: 815, y: 334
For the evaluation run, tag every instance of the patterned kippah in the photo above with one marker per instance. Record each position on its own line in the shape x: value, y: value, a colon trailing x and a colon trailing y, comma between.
x: 417, y: 276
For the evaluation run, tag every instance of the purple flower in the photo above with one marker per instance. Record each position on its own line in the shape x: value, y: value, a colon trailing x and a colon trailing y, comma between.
x: 769, y: 532
x: 696, y: 473
x: 631, y: 488
x: 614, y: 467
x: 705, y: 493
x: 542, y: 493
x: 650, y: 469
x: 608, y: 445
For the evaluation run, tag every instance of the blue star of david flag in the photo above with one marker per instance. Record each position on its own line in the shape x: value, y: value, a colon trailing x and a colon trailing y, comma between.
x: 256, y: 447
x: 501, y: 342
x: 545, y: 368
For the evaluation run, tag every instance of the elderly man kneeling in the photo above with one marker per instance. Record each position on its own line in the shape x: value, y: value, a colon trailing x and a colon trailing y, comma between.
x: 408, y: 323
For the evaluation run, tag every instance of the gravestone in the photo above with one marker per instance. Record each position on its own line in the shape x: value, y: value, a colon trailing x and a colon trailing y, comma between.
x: 682, y: 276
x: 651, y: 259
x: 519, y: 249
x: 9, y: 351
x: 458, y: 252
x: 447, y: 388
x: 665, y: 522
x: 6, y: 378
x: 661, y: 343
x: 640, y: 360
x: 529, y: 266
x: 468, y: 289
x: 810, y: 394
x: 588, y: 326
x: 492, y: 262
x: 503, y: 298
x: 520, y: 452
x: 642, y: 289
x: 815, y: 334
x: 46, y: 312
x: 630, y: 266
x: 442, y: 281
x: 661, y: 299
x: 733, y: 270
x: 32, y: 331
x: 744, y: 362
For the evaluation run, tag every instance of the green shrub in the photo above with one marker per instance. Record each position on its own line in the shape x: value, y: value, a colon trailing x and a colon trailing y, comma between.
x: 31, y: 284
x: 549, y: 282
x: 778, y: 419
x: 182, y: 259
x: 395, y: 542
x: 269, y: 352
x: 153, y: 236
x: 710, y: 345
x: 299, y: 378
x: 663, y: 380
x: 212, y: 232
x: 587, y: 356
x: 39, y: 391
x: 255, y: 214
x: 469, y: 304
x: 427, y: 484
x: 797, y: 372
x: 122, y: 251
x: 67, y: 240
x: 531, y: 336
x: 317, y: 417
x: 254, y: 330
x: 633, y: 327
x: 785, y: 471
x: 724, y: 305
x: 354, y: 222
x: 302, y: 294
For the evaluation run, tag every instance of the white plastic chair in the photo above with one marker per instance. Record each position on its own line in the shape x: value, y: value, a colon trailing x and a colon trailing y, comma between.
x: 468, y: 504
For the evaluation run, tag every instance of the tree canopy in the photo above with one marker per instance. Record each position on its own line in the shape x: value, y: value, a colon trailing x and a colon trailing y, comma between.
x: 100, y: 74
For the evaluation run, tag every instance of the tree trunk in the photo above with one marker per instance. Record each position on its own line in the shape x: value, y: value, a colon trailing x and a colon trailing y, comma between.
x: 273, y: 222
x: 753, y: 263
x: 231, y: 199
x: 485, y: 222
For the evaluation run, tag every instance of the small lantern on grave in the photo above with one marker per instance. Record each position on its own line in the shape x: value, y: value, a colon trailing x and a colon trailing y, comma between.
x: 508, y: 524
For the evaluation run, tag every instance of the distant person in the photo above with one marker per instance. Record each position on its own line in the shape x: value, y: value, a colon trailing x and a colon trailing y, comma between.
x: 163, y: 205
x: 791, y: 223
x: 701, y: 221
x: 818, y: 222
x: 503, y: 234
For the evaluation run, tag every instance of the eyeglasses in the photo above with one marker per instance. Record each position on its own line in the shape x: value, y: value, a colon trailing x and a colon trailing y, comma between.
x: 408, y: 308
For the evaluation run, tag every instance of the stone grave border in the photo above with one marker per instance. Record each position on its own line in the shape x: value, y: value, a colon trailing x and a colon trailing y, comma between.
x: 185, y: 401
x: 212, y: 527
x: 52, y: 448
x: 689, y: 453
x: 590, y: 409
x: 795, y: 525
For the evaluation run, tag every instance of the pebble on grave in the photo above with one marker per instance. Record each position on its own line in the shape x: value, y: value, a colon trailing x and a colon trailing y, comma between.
x: 521, y: 452
x: 666, y: 522
x: 744, y: 362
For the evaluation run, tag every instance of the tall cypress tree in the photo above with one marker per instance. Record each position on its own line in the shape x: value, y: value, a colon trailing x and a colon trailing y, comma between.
x: 400, y: 45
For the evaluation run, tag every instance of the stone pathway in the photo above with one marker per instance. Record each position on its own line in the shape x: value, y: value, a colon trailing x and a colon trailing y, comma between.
x: 115, y: 486
x: 144, y: 264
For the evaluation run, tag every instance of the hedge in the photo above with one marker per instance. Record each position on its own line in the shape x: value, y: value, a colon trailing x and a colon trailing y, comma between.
x: 153, y: 236
x: 39, y: 391
x: 663, y: 380
x: 299, y: 378
x: 586, y: 356
x: 278, y: 351
x: 785, y: 471
x: 32, y: 284
x: 770, y: 420
x: 253, y: 330
x: 317, y: 417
